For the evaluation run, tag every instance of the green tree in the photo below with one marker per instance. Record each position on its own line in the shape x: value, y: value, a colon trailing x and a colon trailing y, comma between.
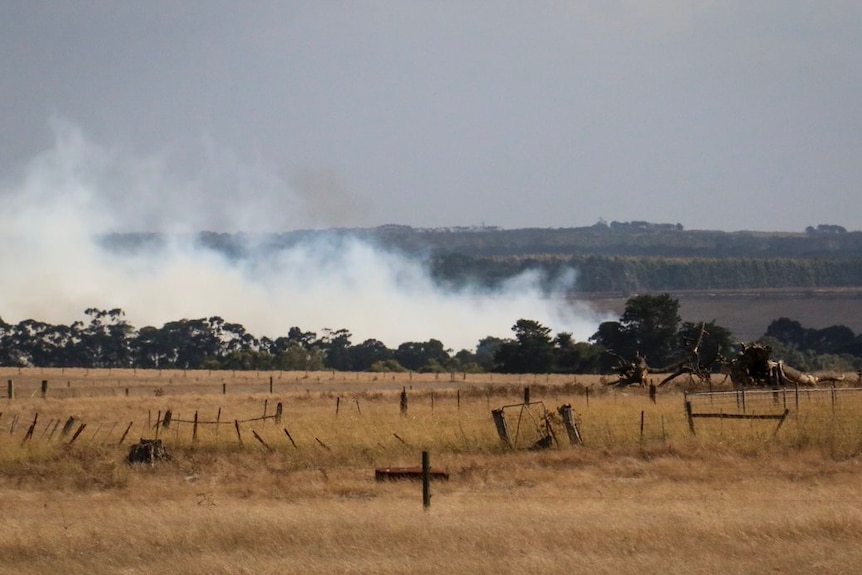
x: 106, y: 341
x: 295, y: 357
x: 652, y: 322
x: 336, y: 349
x: 428, y: 355
x: 532, y: 350
x: 367, y: 353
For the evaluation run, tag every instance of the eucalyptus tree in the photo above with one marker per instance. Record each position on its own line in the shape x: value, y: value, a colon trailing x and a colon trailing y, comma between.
x: 532, y: 350
x: 106, y: 340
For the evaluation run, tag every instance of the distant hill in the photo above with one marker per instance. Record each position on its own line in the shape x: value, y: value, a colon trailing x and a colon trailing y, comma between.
x: 620, y: 257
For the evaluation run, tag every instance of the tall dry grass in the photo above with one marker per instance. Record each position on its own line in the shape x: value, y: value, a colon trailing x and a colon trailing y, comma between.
x: 635, y: 498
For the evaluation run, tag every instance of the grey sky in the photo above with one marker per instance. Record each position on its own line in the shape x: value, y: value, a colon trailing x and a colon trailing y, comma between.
x: 718, y: 115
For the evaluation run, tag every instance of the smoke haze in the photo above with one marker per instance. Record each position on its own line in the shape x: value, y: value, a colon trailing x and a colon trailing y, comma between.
x: 63, y: 201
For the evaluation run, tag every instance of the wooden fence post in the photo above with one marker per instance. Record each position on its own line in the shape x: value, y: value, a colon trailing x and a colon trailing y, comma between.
x: 126, y: 432
x: 287, y: 433
x: 403, y: 403
x: 279, y: 408
x: 195, y: 429
x: 426, y: 480
x: 688, y: 414
x: 67, y: 427
x: 570, y: 424
x: 218, y: 422
x: 44, y: 388
x: 260, y: 439
x: 30, y: 430
x: 77, y: 433
x: 10, y: 389
x: 238, y: 434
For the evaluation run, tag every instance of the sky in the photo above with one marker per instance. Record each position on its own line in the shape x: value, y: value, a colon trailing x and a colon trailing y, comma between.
x: 270, y: 116
x: 724, y: 115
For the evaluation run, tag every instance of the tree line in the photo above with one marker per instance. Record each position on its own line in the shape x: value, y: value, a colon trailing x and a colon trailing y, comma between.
x: 650, y: 327
x: 628, y: 274
x: 617, y: 238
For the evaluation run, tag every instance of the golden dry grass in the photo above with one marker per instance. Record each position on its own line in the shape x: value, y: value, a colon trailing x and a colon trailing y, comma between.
x: 734, y: 498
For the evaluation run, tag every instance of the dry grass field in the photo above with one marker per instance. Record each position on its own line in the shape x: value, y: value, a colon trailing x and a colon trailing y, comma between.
x: 641, y: 495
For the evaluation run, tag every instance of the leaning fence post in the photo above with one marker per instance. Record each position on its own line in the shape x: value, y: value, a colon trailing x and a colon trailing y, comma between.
x: 287, y: 433
x: 570, y: 424
x: 502, y: 427
x: 31, y: 429
x: 238, y: 434
x: 260, y: 439
x: 126, y: 432
x: 688, y: 413
x: 77, y: 433
x: 67, y: 427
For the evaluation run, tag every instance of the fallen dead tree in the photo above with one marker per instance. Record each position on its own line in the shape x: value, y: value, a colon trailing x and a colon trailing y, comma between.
x: 635, y: 372
x: 753, y: 367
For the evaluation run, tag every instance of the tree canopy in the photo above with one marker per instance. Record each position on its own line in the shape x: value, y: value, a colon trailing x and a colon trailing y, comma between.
x: 650, y: 326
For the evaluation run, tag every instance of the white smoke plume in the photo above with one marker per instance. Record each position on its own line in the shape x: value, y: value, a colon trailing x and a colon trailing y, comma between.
x: 57, y: 207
